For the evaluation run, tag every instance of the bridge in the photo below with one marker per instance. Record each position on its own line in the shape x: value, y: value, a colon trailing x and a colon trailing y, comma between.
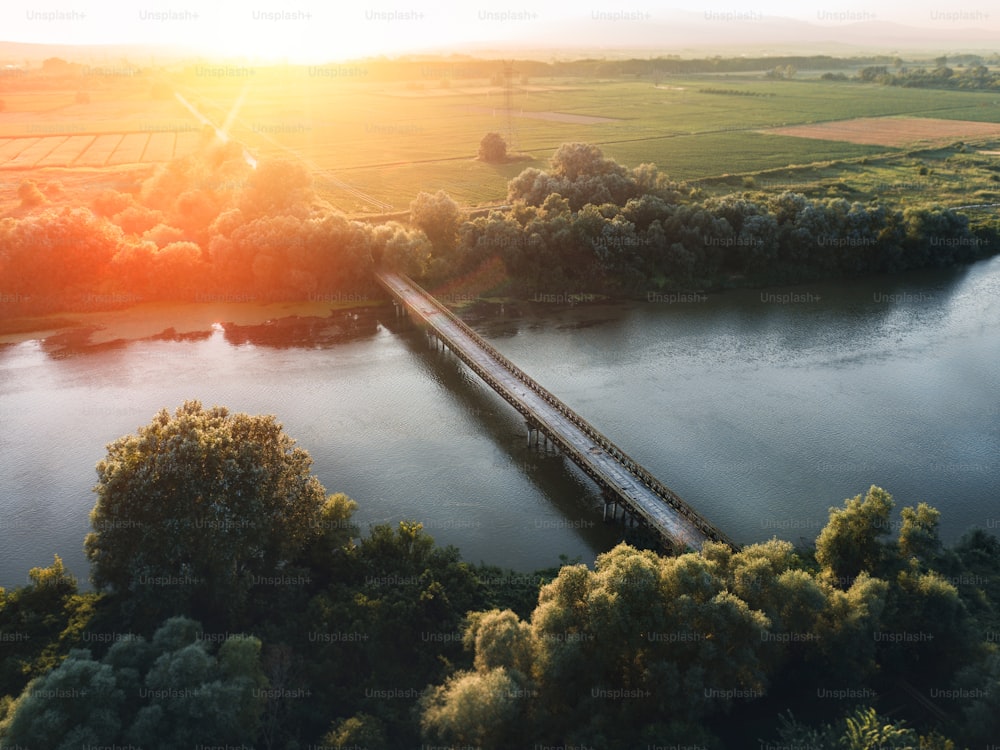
x: 623, y: 482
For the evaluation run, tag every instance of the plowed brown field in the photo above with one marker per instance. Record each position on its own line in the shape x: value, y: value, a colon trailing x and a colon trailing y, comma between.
x: 891, y: 131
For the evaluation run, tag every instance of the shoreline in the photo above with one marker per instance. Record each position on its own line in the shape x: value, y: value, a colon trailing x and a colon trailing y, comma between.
x: 149, y: 319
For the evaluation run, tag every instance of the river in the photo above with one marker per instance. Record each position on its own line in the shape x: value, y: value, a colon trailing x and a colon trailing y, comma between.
x: 760, y: 408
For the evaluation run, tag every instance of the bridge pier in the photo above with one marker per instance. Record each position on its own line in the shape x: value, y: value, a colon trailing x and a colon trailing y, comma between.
x: 553, y: 445
x: 436, y: 342
x: 629, y: 516
x: 535, y: 434
x: 539, y: 440
x: 611, y: 500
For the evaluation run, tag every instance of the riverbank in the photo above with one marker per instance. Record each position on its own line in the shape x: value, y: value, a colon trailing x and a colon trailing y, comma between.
x: 150, y: 319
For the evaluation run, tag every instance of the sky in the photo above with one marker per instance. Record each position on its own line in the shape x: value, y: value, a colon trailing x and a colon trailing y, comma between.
x: 322, y: 30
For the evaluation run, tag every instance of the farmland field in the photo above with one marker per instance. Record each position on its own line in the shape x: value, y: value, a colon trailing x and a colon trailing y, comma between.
x: 373, y: 145
x: 892, y: 131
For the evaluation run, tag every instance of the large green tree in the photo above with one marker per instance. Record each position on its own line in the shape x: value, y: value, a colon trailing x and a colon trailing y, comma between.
x: 197, y: 509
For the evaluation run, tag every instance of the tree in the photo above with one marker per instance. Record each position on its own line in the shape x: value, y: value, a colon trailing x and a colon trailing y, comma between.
x: 30, y: 195
x: 439, y: 217
x: 277, y: 188
x: 42, y: 620
x: 582, y: 174
x: 493, y: 149
x: 499, y: 639
x: 402, y: 600
x: 171, y: 694
x: 195, y: 510
x: 478, y: 709
x: 77, y: 703
x: 782, y: 71
x: 196, y: 694
x: 664, y: 632
x: 179, y: 267
x: 401, y: 248
x: 361, y: 730
x: 574, y: 161
x: 864, y: 729
x: 918, y: 535
x: 850, y: 542
x: 981, y: 681
x: 63, y: 253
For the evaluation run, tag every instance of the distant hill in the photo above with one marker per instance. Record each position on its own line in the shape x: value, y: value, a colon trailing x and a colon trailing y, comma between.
x: 699, y: 34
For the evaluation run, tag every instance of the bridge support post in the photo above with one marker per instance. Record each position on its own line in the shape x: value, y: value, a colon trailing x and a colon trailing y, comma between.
x: 610, y: 501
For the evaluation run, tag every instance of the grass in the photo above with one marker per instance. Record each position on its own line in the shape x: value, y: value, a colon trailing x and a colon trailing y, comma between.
x: 954, y: 177
x: 698, y: 156
x: 391, y: 140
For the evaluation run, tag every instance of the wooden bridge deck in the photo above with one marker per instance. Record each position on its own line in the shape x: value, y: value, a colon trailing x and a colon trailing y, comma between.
x: 621, y: 478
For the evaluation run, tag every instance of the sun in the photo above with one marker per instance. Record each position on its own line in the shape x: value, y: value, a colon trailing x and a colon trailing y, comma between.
x: 311, y: 34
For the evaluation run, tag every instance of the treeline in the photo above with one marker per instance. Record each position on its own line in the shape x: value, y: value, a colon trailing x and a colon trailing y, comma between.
x: 590, y: 223
x: 211, y: 227
x: 434, y: 70
x: 973, y: 77
x: 237, y: 603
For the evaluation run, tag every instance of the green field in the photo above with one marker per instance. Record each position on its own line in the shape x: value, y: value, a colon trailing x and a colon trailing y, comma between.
x: 952, y: 176
x: 392, y: 140
x: 373, y: 145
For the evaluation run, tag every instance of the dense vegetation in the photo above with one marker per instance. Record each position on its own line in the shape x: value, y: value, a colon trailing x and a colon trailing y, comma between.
x: 591, y: 224
x: 204, y: 227
x: 212, y: 227
x: 237, y: 603
x: 975, y: 77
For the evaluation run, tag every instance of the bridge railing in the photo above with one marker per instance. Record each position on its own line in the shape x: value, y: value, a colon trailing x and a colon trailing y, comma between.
x: 661, y: 490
